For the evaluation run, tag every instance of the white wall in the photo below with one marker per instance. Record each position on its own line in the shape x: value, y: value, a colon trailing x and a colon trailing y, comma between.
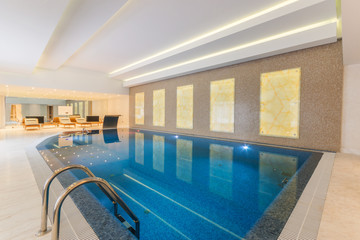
x: 351, y: 110
x: 100, y: 108
x: 34, y: 110
x: 113, y: 106
x: 27, y: 110
x: 66, y: 78
x: 7, y: 112
x: 2, y: 111
x: 350, y: 31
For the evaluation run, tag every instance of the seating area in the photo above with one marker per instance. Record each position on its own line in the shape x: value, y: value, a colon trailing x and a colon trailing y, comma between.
x: 66, y: 122
x: 81, y: 122
x: 33, y: 123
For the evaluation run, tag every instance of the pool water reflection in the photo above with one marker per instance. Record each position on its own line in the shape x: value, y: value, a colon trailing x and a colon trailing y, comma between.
x: 183, y: 187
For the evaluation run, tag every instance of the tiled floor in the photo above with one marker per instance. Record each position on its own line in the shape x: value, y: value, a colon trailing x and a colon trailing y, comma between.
x: 341, y: 216
x: 20, y: 199
x: 19, y: 195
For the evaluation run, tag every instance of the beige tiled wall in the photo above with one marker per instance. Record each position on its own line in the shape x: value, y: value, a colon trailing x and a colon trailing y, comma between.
x: 320, y: 99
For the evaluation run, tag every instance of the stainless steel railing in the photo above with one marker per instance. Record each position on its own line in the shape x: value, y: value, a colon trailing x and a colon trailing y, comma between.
x: 110, y: 192
x: 45, y: 195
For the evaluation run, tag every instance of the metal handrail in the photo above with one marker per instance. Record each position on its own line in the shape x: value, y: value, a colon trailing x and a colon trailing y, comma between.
x: 110, y: 192
x: 45, y: 195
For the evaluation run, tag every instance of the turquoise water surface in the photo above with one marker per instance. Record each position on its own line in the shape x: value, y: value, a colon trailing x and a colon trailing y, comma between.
x: 183, y: 187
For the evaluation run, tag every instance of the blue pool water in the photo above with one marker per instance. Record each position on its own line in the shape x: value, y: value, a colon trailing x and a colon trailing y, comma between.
x: 183, y: 187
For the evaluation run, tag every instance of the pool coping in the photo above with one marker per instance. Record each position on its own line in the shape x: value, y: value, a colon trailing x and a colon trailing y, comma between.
x: 304, y: 221
x: 73, y: 223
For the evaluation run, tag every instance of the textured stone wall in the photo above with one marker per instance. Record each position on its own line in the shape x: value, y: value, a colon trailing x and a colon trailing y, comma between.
x: 320, y: 98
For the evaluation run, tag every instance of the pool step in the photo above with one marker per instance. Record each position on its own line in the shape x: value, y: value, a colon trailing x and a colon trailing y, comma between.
x: 127, y: 225
x: 101, y: 183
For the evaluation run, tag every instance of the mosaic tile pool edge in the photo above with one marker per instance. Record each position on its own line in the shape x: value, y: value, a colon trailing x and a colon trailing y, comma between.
x: 79, y: 220
x: 276, y: 216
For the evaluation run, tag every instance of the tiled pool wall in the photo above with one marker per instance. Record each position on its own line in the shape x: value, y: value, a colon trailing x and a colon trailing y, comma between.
x: 304, y: 221
x: 320, y: 98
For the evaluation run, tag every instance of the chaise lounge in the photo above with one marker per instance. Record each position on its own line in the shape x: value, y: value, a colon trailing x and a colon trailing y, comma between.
x: 82, y: 122
x: 66, y: 122
x: 31, y: 123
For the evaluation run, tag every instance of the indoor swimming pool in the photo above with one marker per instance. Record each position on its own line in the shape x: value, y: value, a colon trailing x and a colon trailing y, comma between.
x: 186, y: 187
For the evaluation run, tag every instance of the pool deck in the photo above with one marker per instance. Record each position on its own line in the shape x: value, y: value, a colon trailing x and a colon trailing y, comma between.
x: 20, y: 199
x: 340, y: 219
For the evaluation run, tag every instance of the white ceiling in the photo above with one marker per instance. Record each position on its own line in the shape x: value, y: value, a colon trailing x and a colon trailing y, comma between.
x: 151, y: 40
x: 26, y: 28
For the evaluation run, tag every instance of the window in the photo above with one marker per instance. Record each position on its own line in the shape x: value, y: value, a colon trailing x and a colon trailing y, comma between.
x: 81, y: 109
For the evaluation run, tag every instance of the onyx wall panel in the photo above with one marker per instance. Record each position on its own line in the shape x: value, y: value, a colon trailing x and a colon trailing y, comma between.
x: 320, y: 98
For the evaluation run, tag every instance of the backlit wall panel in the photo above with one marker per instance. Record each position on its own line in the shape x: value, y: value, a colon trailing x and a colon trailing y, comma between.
x: 184, y: 107
x: 321, y: 98
x: 139, y: 108
x: 159, y: 108
x: 280, y: 103
x: 222, y: 96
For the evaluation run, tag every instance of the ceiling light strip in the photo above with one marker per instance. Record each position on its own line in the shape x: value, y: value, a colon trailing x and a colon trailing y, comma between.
x: 223, y: 28
x: 246, y: 45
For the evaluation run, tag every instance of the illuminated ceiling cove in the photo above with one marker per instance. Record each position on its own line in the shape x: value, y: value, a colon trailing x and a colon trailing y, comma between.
x: 143, y: 41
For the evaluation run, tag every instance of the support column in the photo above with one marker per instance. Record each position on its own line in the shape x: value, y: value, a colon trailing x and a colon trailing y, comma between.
x: 351, y: 110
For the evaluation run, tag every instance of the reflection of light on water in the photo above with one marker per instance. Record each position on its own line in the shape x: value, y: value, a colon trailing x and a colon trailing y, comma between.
x: 184, y: 150
x: 245, y: 147
x: 139, y: 148
x: 158, y: 153
x: 180, y: 205
x: 157, y: 216
x: 221, y: 172
x: 275, y: 170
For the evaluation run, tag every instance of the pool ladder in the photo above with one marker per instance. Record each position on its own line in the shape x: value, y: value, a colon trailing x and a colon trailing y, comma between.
x: 101, y: 183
